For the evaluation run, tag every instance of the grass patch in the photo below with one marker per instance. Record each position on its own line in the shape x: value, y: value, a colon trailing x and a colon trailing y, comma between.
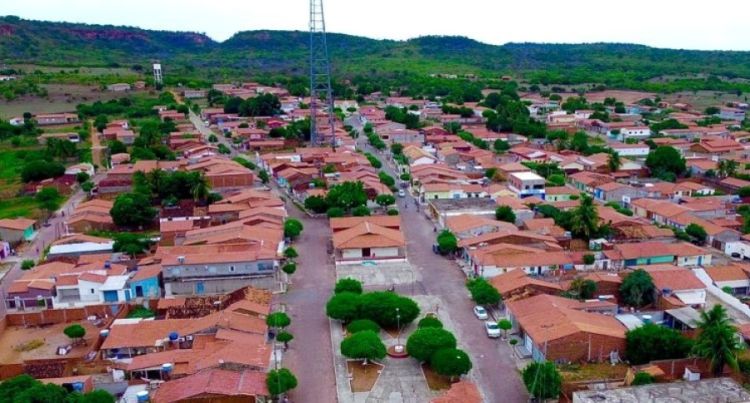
x: 436, y: 381
x: 587, y: 372
x: 363, y: 377
x: 29, y: 345
x: 141, y: 312
x: 19, y: 207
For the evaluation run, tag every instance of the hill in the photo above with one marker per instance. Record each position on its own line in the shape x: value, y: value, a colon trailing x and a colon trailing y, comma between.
x: 285, y: 52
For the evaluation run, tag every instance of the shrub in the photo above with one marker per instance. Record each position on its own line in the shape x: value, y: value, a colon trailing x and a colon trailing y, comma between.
x: 75, y: 331
x: 361, y: 325
x: 278, y: 319
x: 381, y: 308
x: 425, y: 342
x: 653, y: 342
x: 280, y: 381
x: 392, y: 212
x: 482, y: 292
x: 361, y: 211
x: 348, y: 285
x: 365, y: 345
x: 642, y: 378
x: 292, y: 228
x: 27, y: 264
x: 430, y: 321
x: 343, y: 306
x: 447, y: 242
x: 588, y: 259
x: 450, y: 362
x: 334, y: 212
x: 289, y: 268
x: 290, y: 253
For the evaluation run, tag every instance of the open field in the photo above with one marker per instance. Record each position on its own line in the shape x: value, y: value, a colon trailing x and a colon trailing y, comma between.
x: 60, y: 98
x: 49, y: 339
x: 701, y: 100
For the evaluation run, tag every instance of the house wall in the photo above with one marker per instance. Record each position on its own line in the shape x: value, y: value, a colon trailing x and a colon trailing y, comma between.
x: 85, y: 289
x: 150, y: 287
x: 385, y: 252
x: 581, y: 347
x: 650, y: 260
x: 29, y: 299
x: 700, y: 260
x: 217, y: 285
x: 210, y: 270
x: 11, y: 236
x: 351, y: 253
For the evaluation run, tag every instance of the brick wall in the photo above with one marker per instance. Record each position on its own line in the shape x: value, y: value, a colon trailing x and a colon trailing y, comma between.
x: 54, y: 316
x: 583, y: 346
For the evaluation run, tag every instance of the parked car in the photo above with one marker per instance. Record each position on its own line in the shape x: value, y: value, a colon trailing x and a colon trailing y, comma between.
x: 492, y: 329
x: 480, y: 313
x: 401, y: 193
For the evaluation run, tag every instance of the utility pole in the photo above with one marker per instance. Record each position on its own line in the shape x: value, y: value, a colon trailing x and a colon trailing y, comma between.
x: 321, y: 94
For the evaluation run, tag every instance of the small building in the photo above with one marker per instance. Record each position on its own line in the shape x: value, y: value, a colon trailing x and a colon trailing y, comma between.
x: 145, y: 282
x: 16, y: 230
x: 367, y: 241
x: 119, y: 87
x: 526, y: 184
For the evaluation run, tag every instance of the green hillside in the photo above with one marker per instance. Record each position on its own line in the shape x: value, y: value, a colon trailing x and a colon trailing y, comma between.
x: 285, y: 52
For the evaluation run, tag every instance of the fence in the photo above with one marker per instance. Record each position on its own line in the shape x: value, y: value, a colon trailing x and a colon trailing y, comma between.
x: 55, y: 316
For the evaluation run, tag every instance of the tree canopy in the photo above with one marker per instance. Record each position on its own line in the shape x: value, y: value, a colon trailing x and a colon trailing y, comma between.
x: 654, y: 342
x: 482, y: 292
x: 717, y: 339
x: 666, y: 162
x: 343, y: 306
x: 278, y: 319
x: 292, y: 228
x: 347, y: 195
x: 380, y: 307
x: 363, y: 345
x: 451, y: 362
x: 542, y: 380
x: 505, y: 213
x: 447, y: 242
x: 280, y: 381
x: 132, y: 210
x: 425, y: 342
x: 348, y: 285
x: 637, y: 288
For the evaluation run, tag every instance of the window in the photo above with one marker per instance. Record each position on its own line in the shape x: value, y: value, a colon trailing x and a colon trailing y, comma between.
x: 92, y: 291
x: 231, y: 268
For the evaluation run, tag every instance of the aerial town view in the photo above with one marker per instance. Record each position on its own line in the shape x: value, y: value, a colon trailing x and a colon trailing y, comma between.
x: 429, y: 203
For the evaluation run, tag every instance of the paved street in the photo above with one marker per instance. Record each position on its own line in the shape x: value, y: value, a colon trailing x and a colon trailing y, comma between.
x: 310, y: 356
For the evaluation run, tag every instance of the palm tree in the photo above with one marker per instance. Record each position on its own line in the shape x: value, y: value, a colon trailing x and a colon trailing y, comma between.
x: 727, y: 167
x: 584, y: 219
x: 717, y: 340
x: 200, y: 190
x: 614, y: 162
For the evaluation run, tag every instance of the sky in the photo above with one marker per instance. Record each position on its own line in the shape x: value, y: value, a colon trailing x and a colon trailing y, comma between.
x: 715, y: 25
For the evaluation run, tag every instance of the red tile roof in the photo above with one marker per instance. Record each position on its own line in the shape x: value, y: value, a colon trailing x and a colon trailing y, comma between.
x: 213, y: 382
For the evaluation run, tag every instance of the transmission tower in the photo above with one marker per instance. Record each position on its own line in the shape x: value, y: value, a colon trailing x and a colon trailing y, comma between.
x: 157, y: 74
x: 321, y: 95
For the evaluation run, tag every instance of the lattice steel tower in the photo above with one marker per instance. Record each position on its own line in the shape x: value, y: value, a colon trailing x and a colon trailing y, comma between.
x: 321, y: 95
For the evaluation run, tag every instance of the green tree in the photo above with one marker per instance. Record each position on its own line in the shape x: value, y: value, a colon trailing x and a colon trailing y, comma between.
x: 278, y: 320
x: 717, y: 339
x: 131, y: 243
x: 589, y: 259
x: 316, y: 204
x: 292, y: 228
x: 360, y: 325
x: 284, y: 337
x: 132, y: 210
x: 364, y: 345
x: 27, y: 264
x: 652, y: 342
x: 75, y: 331
x: 200, y: 190
x: 584, y: 220
x: 642, y: 378
x: 117, y: 147
x: 38, y: 170
x: 348, y: 285
x: 361, y: 211
x: 697, y: 232
x: 583, y: 288
x: 666, y: 160
x: 82, y: 177
x: 49, y: 199
x: 335, y: 212
x: 451, y: 362
x: 728, y: 167
x: 542, y: 380
x: 505, y: 213
x: 614, y: 162
x: 447, y: 242
x: 263, y: 175
x: 290, y: 253
x: 425, y: 342
x: 482, y: 292
x: 280, y: 381
x: 289, y: 268
x: 429, y: 321
x: 347, y: 195
x: 343, y: 306
x: 385, y: 200
x: 383, y: 307
x: 505, y: 325
x: 637, y: 288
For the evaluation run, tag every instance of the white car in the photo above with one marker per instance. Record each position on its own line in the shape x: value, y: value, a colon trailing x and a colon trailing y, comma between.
x: 401, y: 193
x: 480, y: 313
x: 492, y: 329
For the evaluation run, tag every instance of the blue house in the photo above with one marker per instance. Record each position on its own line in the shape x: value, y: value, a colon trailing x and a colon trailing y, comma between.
x: 145, y: 282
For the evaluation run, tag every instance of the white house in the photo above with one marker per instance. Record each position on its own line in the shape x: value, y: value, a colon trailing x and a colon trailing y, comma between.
x: 638, y: 132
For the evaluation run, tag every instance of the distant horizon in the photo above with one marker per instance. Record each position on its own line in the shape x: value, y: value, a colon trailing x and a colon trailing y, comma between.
x: 712, y: 29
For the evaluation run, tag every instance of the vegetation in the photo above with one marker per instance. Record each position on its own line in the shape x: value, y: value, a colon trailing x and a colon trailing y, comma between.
x: 343, y: 306
x: 280, y: 381
x: 652, y: 342
x: 347, y: 196
x: 360, y: 325
x: 284, y: 337
x: 542, y: 380
x: 290, y: 253
x: 425, y: 342
x: 75, y: 331
x: 348, y: 285
x: 482, y: 292
x: 581, y: 288
x: 451, y: 362
x: 27, y: 264
x: 696, y: 232
x: 292, y: 228
x: 278, y: 320
x: 717, y: 340
x: 364, y: 345
x: 140, y: 311
x: 131, y: 243
x: 24, y: 388
x: 666, y: 163
x: 429, y: 321
x: 133, y: 210
x: 505, y: 213
x: 382, y: 307
x: 447, y: 242
x: 642, y: 378
x: 637, y: 288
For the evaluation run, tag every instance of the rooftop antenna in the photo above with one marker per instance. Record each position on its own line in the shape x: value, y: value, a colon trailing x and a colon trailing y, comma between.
x: 321, y: 95
x: 158, y: 82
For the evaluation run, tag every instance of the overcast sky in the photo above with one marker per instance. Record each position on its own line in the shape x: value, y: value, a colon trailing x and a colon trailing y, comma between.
x: 718, y: 24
